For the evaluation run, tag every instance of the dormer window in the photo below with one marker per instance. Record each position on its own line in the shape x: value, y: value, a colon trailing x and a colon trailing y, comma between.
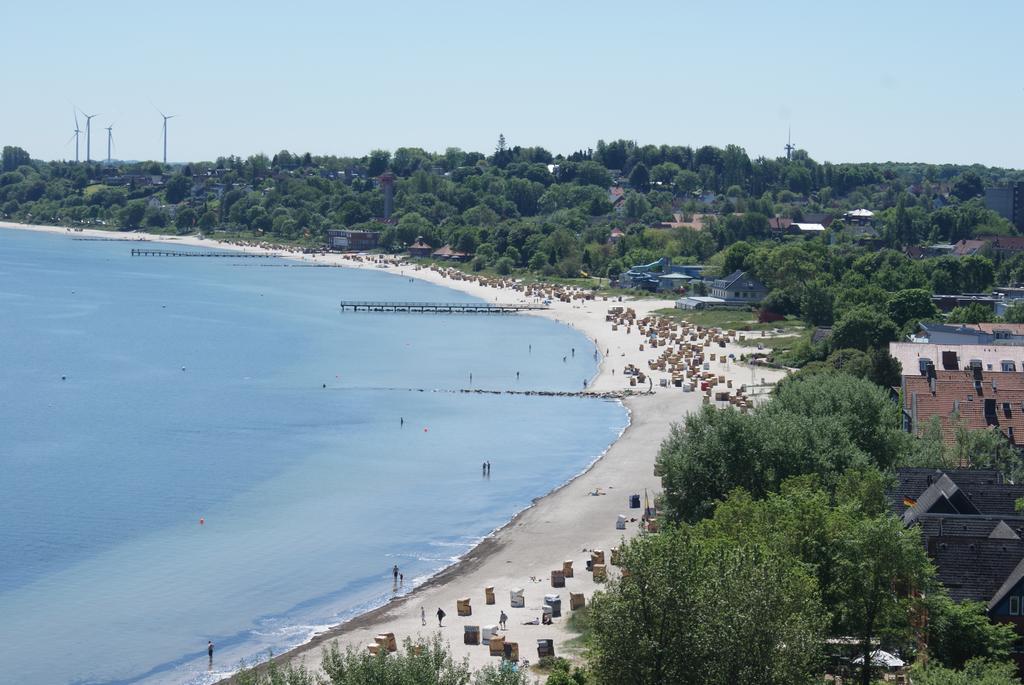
x: 1015, y: 605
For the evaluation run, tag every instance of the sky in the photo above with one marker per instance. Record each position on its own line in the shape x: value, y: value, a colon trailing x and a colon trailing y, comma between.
x: 909, y: 81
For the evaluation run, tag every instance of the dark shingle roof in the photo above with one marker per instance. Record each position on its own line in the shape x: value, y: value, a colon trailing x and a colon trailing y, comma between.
x: 983, y: 487
x: 973, y: 568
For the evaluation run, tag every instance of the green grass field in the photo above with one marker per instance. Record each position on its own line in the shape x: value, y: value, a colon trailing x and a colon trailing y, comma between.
x: 728, y: 318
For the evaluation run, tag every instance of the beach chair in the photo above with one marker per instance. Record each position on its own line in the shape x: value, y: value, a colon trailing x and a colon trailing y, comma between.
x: 516, y: 598
x: 555, y: 602
x: 511, y: 652
x: 471, y: 635
x: 558, y: 578
x: 545, y: 648
x: 576, y: 601
x: 567, y: 568
x: 489, y: 594
x: 496, y: 645
x: 463, y: 608
x: 600, y: 573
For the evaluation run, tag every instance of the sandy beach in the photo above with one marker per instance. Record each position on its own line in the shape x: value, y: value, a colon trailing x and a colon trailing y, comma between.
x: 563, y: 525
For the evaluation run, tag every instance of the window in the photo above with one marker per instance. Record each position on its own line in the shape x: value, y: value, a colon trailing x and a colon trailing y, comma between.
x: 1008, y: 365
x: 923, y: 363
x: 1015, y: 605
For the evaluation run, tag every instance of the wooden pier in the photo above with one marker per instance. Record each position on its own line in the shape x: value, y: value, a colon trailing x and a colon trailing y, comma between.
x: 151, y: 252
x: 439, y: 307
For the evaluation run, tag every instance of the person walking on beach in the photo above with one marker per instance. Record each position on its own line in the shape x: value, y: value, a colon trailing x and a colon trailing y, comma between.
x: 423, y: 616
x: 502, y: 618
x: 440, y: 617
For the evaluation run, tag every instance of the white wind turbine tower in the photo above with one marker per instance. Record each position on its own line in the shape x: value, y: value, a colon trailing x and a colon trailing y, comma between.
x: 88, y: 136
x: 166, y: 117
x: 110, y: 140
x: 75, y: 136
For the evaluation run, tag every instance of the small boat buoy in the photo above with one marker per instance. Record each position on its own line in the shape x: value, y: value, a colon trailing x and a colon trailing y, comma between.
x: 183, y: 368
x: 202, y: 521
x: 425, y: 430
x: 63, y: 378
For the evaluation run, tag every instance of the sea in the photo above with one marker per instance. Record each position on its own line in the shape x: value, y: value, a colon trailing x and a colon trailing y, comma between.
x: 198, y: 449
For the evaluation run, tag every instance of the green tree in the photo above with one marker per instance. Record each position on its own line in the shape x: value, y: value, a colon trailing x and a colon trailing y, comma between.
x: 976, y: 672
x: 862, y: 328
x: 879, y: 563
x: 687, y: 181
x: 1014, y: 313
x: 694, y: 611
x: 959, y: 632
x: 967, y: 185
x: 975, y: 312
x: 640, y: 177
x: 13, y: 157
x: 910, y: 306
x: 177, y: 189
x: 133, y: 213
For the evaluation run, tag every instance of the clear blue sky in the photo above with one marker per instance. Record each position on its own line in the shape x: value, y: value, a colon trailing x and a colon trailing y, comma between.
x: 935, y: 81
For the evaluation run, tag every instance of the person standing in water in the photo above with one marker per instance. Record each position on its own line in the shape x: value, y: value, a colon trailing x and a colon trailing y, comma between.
x: 394, y: 572
x: 209, y: 649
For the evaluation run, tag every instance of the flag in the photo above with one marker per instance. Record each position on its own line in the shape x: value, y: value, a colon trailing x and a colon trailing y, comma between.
x: 909, y: 502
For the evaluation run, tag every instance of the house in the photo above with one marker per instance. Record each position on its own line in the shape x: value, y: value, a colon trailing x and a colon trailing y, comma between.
x: 650, y: 276
x: 420, y: 248
x: 807, y: 229
x: 616, y: 236
x: 617, y: 197
x: 948, y: 303
x: 446, y: 252
x: 966, y: 248
x: 970, y: 334
x: 700, y: 302
x: 352, y: 241
x: 860, y: 217
x: 972, y: 533
x: 1004, y: 245
x: 739, y: 288
x: 917, y: 357
x: 673, y: 282
x: 779, y: 224
x: 973, y: 399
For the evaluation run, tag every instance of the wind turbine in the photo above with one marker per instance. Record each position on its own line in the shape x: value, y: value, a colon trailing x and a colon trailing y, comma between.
x: 75, y: 136
x: 88, y: 136
x: 110, y: 140
x: 166, y: 117
x: 790, y: 148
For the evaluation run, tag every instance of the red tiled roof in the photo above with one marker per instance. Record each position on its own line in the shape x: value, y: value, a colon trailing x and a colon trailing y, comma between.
x: 956, y: 392
x: 1013, y: 328
x: 1005, y: 242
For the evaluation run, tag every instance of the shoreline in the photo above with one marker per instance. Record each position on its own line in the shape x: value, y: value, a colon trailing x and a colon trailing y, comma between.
x: 559, y: 525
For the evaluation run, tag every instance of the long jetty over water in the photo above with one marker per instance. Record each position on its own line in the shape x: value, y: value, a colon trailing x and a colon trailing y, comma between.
x: 152, y: 252
x: 439, y: 307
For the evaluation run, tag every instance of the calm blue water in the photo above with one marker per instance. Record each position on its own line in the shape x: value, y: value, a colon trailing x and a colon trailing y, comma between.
x: 309, y: 494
